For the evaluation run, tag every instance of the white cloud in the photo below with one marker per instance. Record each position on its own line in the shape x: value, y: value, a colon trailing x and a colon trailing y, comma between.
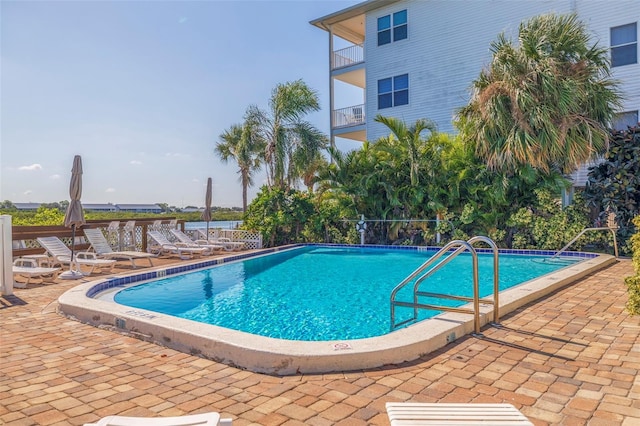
x: 54, y: 177
x: 110, y: 190
x: 194, y: 180
x: 183, y: 20
x: 136, y: 162
x: 176, y: 154
x: 27, y: 192
x: 35, y: 166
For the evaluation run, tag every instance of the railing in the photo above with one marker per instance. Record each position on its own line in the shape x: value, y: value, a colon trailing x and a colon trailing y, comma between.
x: 460, y: 246
x: 24, y: 237
x: 606, y: 228
x: 349, y: 116
x: 348, y: 56
x: 120, y: 238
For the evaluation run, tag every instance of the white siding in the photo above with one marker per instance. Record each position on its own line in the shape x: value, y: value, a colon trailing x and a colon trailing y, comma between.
x: 448, y: 45
x: 600, y: 16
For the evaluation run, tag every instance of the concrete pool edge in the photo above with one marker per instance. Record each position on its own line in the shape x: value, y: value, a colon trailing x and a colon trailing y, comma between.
x: 282, y: 357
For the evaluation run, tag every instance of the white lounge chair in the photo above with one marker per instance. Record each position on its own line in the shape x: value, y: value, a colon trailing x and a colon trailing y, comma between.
x: 113, y: 234
x: 61, y: 255
x: 184, y: 238
x: 128, y: 240
x: 101, y: 247
x: 415, y: 413
x: 226, y: 242
x: 161, y: 246
x: 28, y: 269
x: 207, y: 419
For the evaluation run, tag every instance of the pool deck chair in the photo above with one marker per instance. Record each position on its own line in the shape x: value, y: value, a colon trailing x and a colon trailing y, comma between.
x: 28, y: 269
x: 207, y: 419
x: 162, y: 246
x: 101, y: 247
x: 184, y: 238
x: 414, y: 413
x: 225, y: 242
x: 61, y: 255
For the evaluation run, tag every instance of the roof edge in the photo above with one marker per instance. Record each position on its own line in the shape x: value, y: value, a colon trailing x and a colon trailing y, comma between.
x: 350, y: 12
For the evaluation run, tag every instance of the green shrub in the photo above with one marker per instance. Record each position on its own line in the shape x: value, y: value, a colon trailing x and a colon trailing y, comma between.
x: 614, y: 185
x: 633, y: 282
x: 546, y: 225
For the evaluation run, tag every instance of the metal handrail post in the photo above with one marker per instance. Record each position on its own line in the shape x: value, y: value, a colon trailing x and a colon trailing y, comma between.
x: 415, y: 273
x: 476, y: 291
x: 496, y: 274
x: 461, y: 247
x: 581, y: 233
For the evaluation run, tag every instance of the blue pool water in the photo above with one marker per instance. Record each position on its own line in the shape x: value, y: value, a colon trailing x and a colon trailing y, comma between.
x: 319, y: 293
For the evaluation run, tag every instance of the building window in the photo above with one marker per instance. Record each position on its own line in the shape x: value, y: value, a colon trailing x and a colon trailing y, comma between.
x: 392, y: 27
x: 624, y: 45
x: 393, y: 91
x: 625, y: 119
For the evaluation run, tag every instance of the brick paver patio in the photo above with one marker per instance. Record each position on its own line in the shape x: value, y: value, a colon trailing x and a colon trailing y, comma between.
x: 569, y: 359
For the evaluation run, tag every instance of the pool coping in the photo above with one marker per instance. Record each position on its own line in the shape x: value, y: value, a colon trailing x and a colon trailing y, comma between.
x: 284, y: 357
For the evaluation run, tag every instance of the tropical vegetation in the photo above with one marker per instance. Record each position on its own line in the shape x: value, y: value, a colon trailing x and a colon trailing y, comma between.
x: 633, y: 282
x: 545, y: 101
x: 540, y: 109
x: 614, y: 184
x: 243, y: 143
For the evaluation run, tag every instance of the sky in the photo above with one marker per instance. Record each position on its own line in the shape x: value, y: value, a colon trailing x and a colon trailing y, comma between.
x: 141, y: 90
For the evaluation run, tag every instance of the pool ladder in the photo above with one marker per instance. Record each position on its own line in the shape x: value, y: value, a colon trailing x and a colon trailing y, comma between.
x: 460, y: 247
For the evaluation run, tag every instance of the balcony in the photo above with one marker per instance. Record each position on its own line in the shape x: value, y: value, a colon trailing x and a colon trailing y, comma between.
x: 349, y: 116
x: 348, y: 56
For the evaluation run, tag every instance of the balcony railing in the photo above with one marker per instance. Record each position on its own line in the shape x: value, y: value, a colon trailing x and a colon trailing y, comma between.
x: 349, y: 116
x: 348, y: 56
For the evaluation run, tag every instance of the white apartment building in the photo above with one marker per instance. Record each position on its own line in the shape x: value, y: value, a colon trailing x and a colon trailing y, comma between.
x: 414, y: 59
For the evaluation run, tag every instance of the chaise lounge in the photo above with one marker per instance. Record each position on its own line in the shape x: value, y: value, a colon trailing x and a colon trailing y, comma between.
x: 101, y: 247
x: 61, y: 255
x: 28, y: 269
x: 184, y: 238
x: 415, y: 413
x: 162, y: 246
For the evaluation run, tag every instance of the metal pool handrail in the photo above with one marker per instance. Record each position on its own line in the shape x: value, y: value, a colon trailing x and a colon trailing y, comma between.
x: 613, y: 232
x: 460, y: 246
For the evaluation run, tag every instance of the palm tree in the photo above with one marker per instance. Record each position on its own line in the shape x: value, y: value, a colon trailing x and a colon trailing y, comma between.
x: 244, y: 144
x: 545, y: 102
x: 309, y: 173
x: 290, y: 140
x: 410, y: 140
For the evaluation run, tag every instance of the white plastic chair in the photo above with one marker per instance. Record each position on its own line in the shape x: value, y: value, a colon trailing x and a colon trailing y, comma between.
x: 101, y: 247
x: 161, y: 245
x: 61, y: 255
x: 28, y: 269
x: 113, y: 234
x: 129, y: 235
x: 184, y: 239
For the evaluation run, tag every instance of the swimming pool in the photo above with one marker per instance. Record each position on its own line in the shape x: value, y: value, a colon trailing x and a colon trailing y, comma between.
x: 319, y: 293
x: 87, y: 303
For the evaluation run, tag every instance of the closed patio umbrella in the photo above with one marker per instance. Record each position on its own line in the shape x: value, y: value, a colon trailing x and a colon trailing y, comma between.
x: 206, y: 214
x: 74, y: 216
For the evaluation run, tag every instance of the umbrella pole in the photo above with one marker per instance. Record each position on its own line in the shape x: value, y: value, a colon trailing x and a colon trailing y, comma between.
x: 72, y: 274
x: 73, y: 246
x: 207, y: 231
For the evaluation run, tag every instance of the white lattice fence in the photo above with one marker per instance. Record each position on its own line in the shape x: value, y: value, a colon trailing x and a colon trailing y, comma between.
x: 252, y: 240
